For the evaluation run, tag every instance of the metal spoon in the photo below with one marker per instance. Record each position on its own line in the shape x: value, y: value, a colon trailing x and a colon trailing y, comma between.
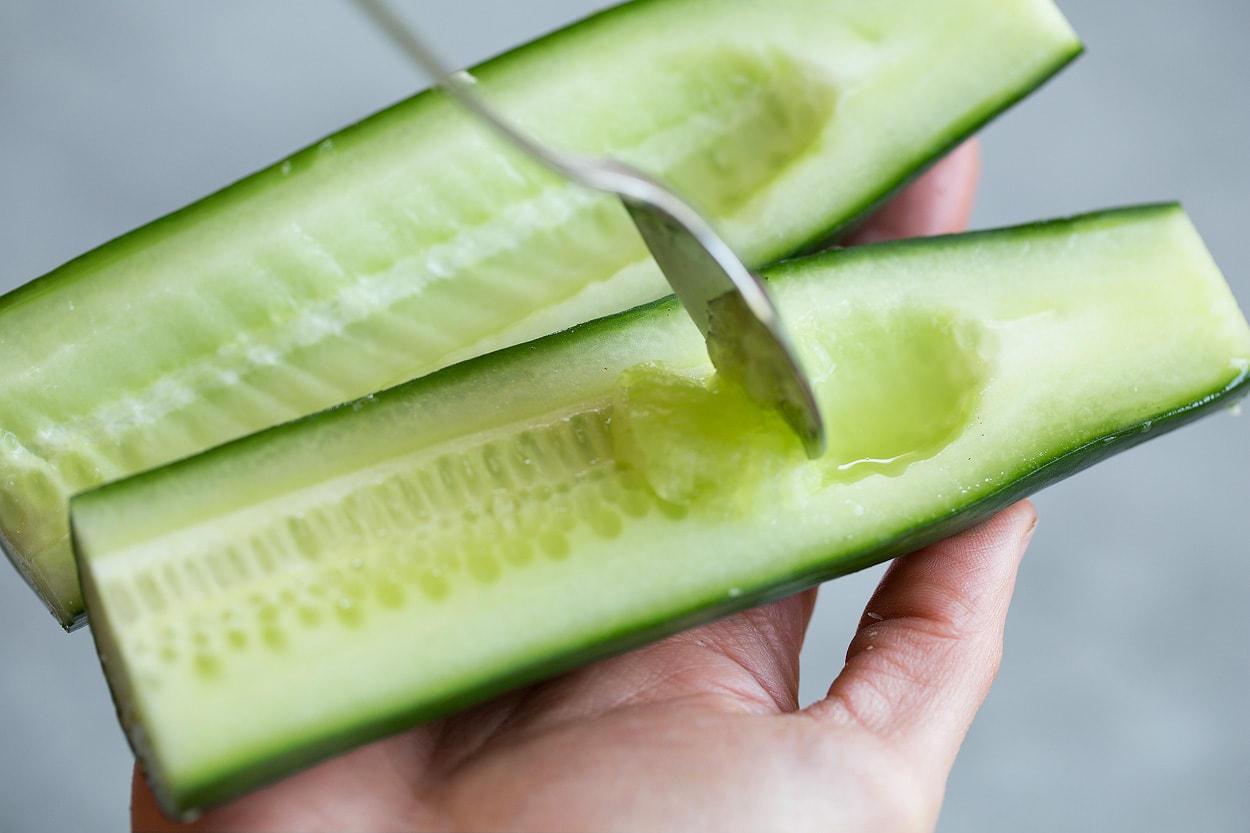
x: 727, y: 302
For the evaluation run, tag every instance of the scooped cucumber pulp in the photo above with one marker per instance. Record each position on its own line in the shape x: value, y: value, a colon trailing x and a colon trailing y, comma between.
x: 326, y: 582
x: 414, y: 239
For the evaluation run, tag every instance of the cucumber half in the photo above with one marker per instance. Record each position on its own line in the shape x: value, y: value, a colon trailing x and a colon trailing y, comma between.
x: 329, y: 581
x: 414, y: 240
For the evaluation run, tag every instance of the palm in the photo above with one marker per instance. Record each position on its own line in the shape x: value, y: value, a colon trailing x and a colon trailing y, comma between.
x: 697, y: 732
x: 703, y: 730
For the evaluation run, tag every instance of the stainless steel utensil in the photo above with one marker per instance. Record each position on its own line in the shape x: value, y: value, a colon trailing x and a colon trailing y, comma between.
x: 727, y: 302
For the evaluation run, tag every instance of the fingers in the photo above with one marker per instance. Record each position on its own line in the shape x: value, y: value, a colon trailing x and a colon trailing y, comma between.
x: 930, y: 641
x: 766, y: 641
x: 939, y: 202
x: 750, y: 659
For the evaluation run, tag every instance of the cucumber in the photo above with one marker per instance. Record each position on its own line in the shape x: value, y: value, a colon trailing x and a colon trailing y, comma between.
x: 329, y: 581
x: 413, y: 240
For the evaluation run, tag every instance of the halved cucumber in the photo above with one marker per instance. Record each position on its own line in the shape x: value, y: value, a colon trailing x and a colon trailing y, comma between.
x: 413, y: 240
x: 329, y: 581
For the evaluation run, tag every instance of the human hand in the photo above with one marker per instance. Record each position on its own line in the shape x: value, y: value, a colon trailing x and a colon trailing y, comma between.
x: 702, y: 731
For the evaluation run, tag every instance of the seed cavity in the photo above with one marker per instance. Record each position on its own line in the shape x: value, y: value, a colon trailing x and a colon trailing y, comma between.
x: 207, y: 666
x: 149, y: 592
x: 447, y: 524
x: 516, y: 551
x: 389, y: 592
x: 348, y: 612
x: 554, y: 545
x: 606, y: 523
x: 434, y: 585
x: 302, y: 536
x: 274, y: 638
x: 482, y: 565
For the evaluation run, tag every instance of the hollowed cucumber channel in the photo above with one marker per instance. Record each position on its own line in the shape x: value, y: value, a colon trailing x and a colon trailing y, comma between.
x: 414, y: 240
x: 294, y: 593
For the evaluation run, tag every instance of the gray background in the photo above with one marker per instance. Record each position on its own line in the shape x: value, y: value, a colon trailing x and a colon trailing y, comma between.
x: 1121, y: 704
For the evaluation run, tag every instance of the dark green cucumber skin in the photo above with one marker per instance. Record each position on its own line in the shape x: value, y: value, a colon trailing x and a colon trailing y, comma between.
x: 1025, y: 482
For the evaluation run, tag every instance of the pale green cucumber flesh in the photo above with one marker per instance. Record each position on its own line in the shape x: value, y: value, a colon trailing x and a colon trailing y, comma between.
x: 413, y: 240
x: 291, y: 594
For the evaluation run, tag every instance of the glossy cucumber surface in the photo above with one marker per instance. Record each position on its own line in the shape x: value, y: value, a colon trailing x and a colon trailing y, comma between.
x: 329, y: 581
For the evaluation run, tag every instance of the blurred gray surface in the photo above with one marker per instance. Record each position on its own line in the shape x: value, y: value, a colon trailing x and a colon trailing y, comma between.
x: 1121, y: 700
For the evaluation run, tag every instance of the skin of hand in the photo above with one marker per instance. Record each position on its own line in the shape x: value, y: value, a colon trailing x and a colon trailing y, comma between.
x: 702, y: 731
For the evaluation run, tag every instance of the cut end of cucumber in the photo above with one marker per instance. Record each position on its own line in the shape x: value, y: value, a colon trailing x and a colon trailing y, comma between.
x: 52, y: 573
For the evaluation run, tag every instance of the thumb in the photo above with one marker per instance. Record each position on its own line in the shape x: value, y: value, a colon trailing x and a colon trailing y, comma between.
x: 930, y: 642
